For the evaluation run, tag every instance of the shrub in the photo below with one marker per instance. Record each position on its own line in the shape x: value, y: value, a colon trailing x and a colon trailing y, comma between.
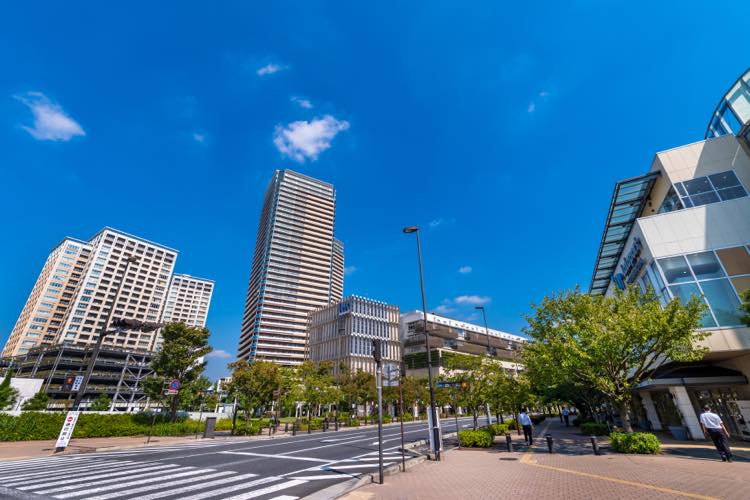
x: 580, y: 421
x: 30, y: 426
x: 634, y: 442
x: 512, y: 425
x: 355, y: 422
x: 245, y: 428
x: 481, y: 438
x: 223, y: 424
x: 497, y: 429
x: 594, y: 429
x: 408, y: 417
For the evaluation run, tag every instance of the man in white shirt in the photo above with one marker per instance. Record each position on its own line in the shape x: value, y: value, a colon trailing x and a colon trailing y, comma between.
x: 527, y: 425
x: 566, y: 416
x: 713, y: 427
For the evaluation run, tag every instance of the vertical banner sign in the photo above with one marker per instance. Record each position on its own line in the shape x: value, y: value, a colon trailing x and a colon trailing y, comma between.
x: 77, y: 382
x: 67, y: 430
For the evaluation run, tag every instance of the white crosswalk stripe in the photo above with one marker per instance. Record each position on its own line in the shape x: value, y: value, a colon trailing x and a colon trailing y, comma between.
x: 237, y: 487
x: 128, y: 484
x: 168, y: 484
x: 25, y: 473
x: 188, y: 489
x: 158, y: 471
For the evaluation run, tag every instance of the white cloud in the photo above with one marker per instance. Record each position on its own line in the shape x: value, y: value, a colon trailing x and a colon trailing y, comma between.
x: 474, y: 300
x: 303, y: 103
x: 270, y: 69
x: 465, y: 269
x: 349, y: 270
x: 436, y: 222
x: 51, y: 123
x: 219, y: 354
x: 443, y: 309
x: 199, y: 137
x: 307, y: 139
x: 543, y: 95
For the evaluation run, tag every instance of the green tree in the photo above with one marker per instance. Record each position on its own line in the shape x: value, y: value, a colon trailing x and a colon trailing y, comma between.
x: 178, y: 360
x: 745, y: 306
x: 318, y: 385
x: 612, y: 343
x: 37, y: 403
x: 8, y: 394
x: 253, y: 384
x: 102, y: 403
x: 470, y: 373
x: 415, y: 392
x: 357, y: 387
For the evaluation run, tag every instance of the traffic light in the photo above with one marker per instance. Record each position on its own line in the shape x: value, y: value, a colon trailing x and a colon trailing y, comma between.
x: 376, y: 353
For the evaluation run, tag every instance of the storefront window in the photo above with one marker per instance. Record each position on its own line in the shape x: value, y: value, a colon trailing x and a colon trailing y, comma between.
x: 685, y: 293
x: 723, y: 300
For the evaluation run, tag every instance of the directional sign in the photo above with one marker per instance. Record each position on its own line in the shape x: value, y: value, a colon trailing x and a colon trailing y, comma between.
x: 77, y: 383
x: 173, y: 388
x: 67, y: 430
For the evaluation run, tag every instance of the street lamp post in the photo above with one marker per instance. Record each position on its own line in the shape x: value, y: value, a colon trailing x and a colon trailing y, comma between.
x: 95, y: 353
x: 489, y: 353
x: 433, y: 412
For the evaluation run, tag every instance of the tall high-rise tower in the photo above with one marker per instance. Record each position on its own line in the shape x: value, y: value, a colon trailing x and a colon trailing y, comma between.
x: 292, y: 272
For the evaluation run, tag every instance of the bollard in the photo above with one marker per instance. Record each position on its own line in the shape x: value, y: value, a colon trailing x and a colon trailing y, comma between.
x: 270, y: 428
x: 549, y: 442
x: 336, y: 424
x: 294, y: 429
x: 595, y: 445
x: 286, y: 427
x: 509, y: 442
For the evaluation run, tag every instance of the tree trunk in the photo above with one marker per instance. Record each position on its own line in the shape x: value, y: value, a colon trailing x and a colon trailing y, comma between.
x: 476, y: 417
x: 625, y: 416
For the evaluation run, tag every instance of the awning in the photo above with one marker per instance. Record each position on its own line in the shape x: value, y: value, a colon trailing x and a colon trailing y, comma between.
x: 626, y: 206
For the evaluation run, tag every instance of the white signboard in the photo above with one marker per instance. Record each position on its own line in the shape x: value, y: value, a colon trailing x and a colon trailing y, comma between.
x: 391, y: 375
x: 67, y: 430
x: 77, y: 383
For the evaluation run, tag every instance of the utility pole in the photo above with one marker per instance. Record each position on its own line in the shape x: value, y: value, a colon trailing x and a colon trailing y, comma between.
x: 433, y: 410
x: 489, y: 353
x: 377, y: 354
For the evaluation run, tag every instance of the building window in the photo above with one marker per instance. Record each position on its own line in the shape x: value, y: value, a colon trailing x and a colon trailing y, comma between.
x: 709, y: 189
x: 716, y: 276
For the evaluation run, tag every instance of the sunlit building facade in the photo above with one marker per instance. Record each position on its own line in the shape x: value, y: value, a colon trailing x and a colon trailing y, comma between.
x: 683, y: 229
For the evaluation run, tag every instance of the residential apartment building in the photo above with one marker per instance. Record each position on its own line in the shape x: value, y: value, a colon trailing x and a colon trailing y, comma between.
x: 451, y: 337
x: 342, y: 333
x: 683, y: 228
x: 188, y: 300
x: 337, y: 272
x: 78, y: 285
x: 293, y: 271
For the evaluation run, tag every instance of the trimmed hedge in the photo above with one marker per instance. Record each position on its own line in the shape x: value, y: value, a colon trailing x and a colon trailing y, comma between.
x: 497, y: 429
x: 634, y: 442
x: 481, y: 438
x: 594, y: 429
x: 580, y: 421
x: 29, y: 426
x: 245, y: 428
x: 408, y: 417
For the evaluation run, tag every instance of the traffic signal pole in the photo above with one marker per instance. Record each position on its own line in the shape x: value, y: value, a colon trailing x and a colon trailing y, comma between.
x: 378, y: 355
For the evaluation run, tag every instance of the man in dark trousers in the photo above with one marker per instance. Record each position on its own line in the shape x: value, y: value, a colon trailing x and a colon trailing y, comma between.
x: 714, y: 428
x: 566, y: 416
x: 527, y: 425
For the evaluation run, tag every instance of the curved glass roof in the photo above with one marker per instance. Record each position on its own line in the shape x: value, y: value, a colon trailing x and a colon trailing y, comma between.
x: 626, y: 206
x: 732, y: 114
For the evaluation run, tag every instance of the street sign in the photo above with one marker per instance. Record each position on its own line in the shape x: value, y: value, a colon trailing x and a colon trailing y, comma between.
x: 77, y: 383
x: 172, y: 388
x: 67, y: 430
x: 392, y: 375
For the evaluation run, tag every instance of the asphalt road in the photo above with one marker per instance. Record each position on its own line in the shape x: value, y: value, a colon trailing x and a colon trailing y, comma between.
x: 280, y: 468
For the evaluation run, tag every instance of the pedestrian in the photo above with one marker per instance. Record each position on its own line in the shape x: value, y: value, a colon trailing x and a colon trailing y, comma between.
x: 566, y: 416
x: 714, y: 428
x: 528, y: 426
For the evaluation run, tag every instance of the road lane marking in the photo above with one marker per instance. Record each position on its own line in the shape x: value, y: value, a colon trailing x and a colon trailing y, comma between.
x: 168, y: 484
x: 266, y: 455
x: 284, y: 497
x: 77, y: 466
x: 90, y: 477
x: 232, y: 489
x: 187, y: 489
x: 160, y: 474
x: 355, y: 466
x: 267, y: 490
x: 335, y: 475
x: 120, y: 486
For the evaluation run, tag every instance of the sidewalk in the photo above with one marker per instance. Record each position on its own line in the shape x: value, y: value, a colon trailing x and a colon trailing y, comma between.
x: 693, y: 471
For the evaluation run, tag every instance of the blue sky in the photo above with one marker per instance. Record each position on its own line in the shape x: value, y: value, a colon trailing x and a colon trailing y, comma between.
x: 499, y: 129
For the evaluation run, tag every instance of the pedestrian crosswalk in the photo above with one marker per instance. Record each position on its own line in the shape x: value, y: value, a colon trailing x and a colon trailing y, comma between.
x: 202, y: 444
x: 95, y: 477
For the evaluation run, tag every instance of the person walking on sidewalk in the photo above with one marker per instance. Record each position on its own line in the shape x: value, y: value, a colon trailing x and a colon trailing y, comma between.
x: 566, y: 416
x: 527, y: 425
x: 713, y: 426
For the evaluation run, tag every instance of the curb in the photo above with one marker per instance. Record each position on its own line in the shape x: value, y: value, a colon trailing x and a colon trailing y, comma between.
x: 341, y: 489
